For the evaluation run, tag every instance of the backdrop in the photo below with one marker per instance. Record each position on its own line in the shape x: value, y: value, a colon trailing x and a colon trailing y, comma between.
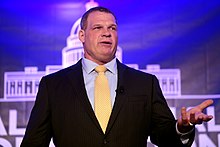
x: 178, y: 41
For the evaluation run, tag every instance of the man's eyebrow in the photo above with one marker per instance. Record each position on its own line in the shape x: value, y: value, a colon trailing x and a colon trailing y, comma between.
x: 99, y: 25
x: 114, y: 25
x: 96, y: 25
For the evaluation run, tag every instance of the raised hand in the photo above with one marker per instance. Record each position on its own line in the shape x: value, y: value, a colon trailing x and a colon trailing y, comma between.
x: 193, y: 116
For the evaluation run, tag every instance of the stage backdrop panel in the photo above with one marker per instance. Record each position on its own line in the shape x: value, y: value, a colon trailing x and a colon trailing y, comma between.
x: 178, y: 41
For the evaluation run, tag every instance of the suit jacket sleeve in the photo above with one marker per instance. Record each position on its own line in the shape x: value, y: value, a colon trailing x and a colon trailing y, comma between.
x: 38, y: 131
x: 164, y: 132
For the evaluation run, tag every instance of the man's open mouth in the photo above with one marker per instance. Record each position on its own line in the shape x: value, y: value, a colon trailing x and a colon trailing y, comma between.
x: 106, y: 42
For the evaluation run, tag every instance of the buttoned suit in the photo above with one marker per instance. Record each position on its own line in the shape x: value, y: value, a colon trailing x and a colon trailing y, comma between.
x: 62, y: 111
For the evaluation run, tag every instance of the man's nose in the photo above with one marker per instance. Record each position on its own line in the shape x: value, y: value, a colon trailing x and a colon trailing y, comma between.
x: 106, y: 33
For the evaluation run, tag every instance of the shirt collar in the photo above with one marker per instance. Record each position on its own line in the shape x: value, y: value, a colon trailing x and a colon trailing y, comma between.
x: 89, y: 65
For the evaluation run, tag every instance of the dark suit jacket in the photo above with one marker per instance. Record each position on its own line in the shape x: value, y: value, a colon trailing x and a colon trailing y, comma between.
x: 62, y: 111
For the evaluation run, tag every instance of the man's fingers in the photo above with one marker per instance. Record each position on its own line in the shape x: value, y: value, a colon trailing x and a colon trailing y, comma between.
x: 200, y: 118
x: 207, y: 118
x: 184, y: 116
x: 192, y: 119
x: 195, y: 115
x: 205, y: 104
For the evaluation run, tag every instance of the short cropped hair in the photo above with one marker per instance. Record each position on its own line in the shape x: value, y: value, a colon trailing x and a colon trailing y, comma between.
x: 83, y: 23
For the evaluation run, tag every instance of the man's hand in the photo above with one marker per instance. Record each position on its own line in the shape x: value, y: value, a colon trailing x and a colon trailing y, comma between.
x: 193, y: 116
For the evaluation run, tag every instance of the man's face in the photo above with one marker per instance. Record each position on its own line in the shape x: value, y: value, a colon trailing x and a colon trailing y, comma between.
x: 100, y: 37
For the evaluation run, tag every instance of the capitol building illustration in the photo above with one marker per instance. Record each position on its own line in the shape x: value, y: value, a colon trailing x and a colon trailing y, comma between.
x: 23, y: 85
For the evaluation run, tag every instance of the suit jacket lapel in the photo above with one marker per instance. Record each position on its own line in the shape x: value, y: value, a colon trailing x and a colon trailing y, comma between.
x: 120, y: 98
x: 77, y: 81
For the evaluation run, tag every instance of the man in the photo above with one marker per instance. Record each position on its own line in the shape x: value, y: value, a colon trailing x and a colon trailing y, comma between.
x: 65, y: 111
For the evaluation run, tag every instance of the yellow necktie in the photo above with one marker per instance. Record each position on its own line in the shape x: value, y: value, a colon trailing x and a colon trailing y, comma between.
x: 102, y: 97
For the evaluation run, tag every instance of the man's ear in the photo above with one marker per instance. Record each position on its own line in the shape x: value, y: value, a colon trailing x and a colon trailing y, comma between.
x: 82, y: 36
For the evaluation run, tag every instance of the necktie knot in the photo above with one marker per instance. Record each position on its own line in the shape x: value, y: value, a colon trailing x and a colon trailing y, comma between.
x: 100, y: 68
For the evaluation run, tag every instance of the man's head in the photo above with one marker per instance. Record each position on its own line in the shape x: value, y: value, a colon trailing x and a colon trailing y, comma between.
x: 99, y: 35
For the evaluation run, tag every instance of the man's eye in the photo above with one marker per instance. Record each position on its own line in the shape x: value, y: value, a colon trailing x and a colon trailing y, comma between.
x: 113, y: 28
x: 97, y: 28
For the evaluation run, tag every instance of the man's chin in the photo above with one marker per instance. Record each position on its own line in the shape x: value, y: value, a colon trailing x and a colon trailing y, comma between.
x: 106, y: 60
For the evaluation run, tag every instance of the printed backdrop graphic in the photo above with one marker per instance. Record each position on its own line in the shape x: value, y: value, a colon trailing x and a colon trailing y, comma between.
x: 178, y: 41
